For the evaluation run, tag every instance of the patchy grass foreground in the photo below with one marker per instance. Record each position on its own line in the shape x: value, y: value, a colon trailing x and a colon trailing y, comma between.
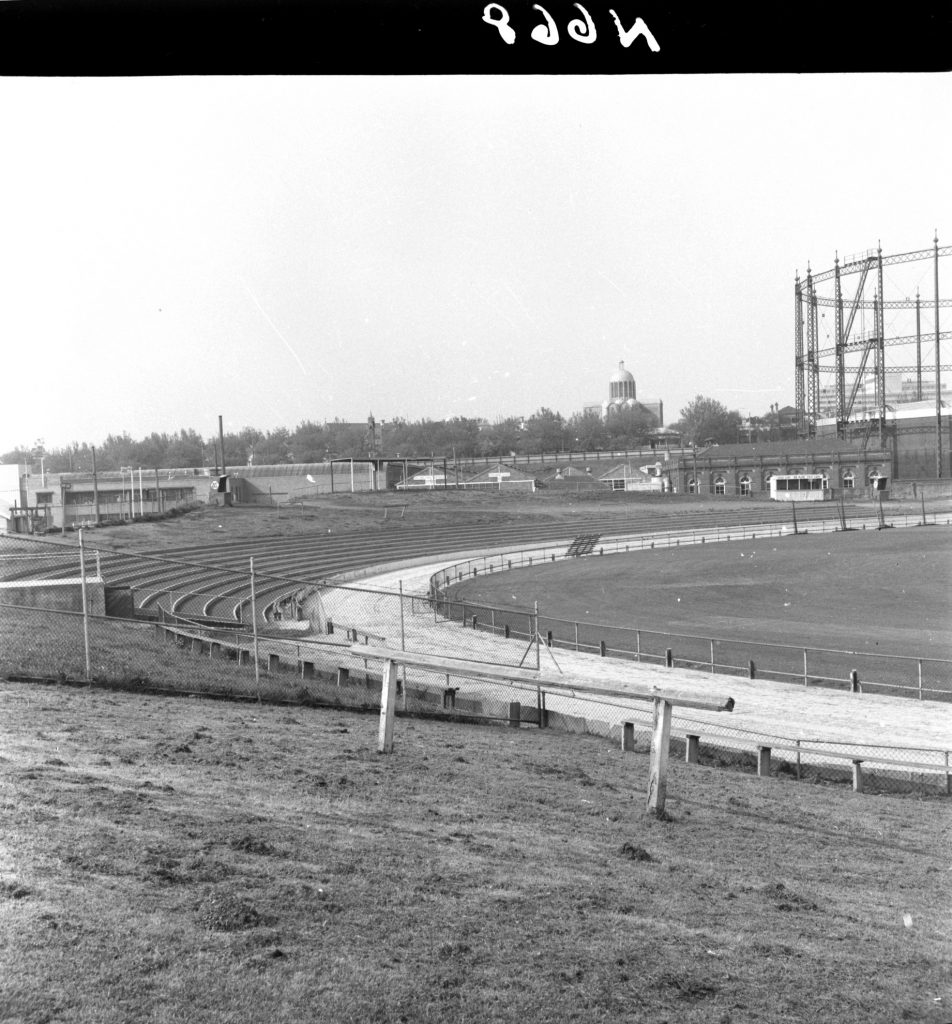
x: 168, y: 859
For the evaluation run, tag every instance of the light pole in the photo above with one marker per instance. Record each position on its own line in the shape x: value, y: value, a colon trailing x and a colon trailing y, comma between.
x: 123, y: 470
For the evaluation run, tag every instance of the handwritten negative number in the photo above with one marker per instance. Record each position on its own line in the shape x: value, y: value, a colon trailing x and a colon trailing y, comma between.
x: 581, y: 31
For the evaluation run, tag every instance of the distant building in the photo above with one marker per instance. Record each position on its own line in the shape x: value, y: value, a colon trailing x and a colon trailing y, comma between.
x: 622, y: 395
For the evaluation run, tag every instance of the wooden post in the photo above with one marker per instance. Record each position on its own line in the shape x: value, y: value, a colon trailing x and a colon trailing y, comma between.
x: 763, y: 761
x: 254, y: 608
x: 658, y: 757
x: 388, y: 696
x: 85, y: 598
x: 857, y: 777
x: 601, y: 648
x: 627, y: 735
x: 854, y: 682
x: 751, y: 669
x: 692, y: 749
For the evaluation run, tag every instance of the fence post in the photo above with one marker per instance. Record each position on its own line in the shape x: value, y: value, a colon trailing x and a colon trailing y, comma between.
x: 798, y: 758
x: 576, y: 636
x: 751, y: 669
x: 538, y: 638
x: 712, y: 656
x: 920, y: 678
x: 254, y: 625
x: 82, y: 579
x: 854, y: 682
x: 403, y: 639
x: 627, y: 736
x: 387, y: 703
x: 669, y: 658
x: 805, y: 682
x: 658, y: 762
x: 638, y: 645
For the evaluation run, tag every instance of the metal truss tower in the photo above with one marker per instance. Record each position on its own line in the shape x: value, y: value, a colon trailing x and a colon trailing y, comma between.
x: 868, y: 357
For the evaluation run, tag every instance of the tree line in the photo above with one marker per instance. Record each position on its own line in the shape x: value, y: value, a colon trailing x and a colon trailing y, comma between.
x: 702, y: 421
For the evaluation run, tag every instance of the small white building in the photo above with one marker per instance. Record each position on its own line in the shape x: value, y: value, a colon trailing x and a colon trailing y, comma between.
x: 800, y: 487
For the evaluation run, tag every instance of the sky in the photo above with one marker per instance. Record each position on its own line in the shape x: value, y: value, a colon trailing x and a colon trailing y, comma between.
x: 281, y: 249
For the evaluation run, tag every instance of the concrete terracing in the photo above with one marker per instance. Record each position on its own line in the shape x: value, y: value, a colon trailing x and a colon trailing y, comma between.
x: 56, y: 595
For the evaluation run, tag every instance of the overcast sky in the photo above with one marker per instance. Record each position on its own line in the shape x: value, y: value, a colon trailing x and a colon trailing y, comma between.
x: 282, y: 249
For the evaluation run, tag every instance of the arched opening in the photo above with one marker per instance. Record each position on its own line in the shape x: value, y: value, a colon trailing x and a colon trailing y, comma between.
x: 745, y: 483
x: 849, y: 480
x: 720, y: 485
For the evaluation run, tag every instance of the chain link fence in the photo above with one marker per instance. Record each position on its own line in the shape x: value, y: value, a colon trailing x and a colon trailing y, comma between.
x: 859, y: 671
x: 72, y: 614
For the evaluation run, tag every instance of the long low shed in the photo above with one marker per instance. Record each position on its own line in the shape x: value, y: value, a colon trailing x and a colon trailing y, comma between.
x: 663, y: 699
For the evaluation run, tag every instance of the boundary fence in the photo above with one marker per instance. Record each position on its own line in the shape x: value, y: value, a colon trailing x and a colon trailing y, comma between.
x: 900, y: 675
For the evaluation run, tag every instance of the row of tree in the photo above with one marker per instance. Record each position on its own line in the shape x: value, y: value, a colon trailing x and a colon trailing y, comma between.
x: 703, y: 420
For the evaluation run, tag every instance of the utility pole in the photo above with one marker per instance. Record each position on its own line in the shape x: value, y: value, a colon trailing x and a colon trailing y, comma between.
x: 938, y: 389
x: 95, y: 491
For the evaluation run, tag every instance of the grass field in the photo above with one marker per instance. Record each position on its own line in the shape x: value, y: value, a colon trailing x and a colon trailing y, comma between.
x: 184, y: 860
x: 874, y: 590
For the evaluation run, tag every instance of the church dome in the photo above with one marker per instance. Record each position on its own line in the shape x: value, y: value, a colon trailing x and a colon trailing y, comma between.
x: 621, y: 376
x: 621, y: 386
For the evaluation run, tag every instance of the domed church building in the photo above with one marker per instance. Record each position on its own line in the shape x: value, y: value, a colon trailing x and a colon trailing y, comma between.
x: 622, y: 394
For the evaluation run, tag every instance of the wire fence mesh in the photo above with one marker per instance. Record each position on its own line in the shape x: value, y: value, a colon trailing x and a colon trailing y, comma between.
x: 75, y: 614
x: 872, y: 671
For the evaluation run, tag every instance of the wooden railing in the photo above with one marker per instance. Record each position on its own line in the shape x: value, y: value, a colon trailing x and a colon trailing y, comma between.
x: 663, y: 699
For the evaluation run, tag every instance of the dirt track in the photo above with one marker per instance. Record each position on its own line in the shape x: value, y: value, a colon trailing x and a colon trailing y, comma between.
x: 762, y: 707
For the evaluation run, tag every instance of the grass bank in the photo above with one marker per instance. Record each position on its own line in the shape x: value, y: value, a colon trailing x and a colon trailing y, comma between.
x: 182, y: 860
